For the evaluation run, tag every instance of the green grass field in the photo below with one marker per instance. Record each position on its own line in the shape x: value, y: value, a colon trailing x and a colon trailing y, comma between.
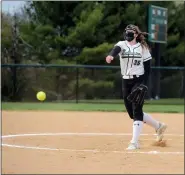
x: 162, y: 106
x: 174, y: 101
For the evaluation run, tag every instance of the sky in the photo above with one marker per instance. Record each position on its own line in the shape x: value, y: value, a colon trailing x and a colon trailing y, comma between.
x: 11, y: 6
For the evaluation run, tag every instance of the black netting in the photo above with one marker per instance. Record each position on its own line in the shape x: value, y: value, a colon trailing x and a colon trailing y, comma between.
x: 71, y: 84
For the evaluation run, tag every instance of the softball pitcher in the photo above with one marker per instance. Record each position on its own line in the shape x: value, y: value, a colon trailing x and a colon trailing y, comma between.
x: 135, y: 59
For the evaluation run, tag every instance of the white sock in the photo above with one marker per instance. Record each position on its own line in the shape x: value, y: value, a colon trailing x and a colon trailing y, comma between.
x: 137, y: 128
x: 150, y: 121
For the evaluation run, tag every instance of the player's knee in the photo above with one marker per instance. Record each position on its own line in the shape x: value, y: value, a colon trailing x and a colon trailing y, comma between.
x: 138, y: 115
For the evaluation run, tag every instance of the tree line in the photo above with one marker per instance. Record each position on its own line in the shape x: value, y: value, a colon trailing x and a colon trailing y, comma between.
x: 85, y: 31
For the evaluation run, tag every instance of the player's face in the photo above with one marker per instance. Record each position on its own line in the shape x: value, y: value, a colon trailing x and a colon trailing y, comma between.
x: 130, y: 35
x: 132, y: 31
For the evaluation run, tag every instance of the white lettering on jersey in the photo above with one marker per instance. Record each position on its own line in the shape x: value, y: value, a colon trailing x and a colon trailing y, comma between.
x: 132, y: 58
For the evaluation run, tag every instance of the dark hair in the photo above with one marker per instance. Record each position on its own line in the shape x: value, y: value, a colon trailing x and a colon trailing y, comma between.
x: 141, y: 35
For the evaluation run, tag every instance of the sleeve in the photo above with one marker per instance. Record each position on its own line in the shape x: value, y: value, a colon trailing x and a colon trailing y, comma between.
x: 146, y: 55
x: 121, y: 45
x: 115, y: 51
x: 147, y: 68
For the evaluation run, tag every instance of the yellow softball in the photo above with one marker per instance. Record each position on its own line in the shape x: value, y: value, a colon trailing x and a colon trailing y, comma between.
x: 41, y: 96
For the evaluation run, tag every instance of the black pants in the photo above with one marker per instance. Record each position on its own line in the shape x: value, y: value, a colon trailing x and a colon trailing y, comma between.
x: 135, y: 111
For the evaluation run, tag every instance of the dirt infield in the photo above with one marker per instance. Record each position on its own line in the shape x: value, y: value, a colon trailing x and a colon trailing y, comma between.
x: 87, y: 142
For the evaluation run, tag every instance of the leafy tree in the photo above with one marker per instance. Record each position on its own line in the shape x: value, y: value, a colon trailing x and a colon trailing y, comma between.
x: 6, y: 37
x: 59, y: 30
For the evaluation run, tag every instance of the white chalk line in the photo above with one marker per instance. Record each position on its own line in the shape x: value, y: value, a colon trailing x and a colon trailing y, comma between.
x: 91, y: 150
x: 82, y: 134
x: 86, y: 150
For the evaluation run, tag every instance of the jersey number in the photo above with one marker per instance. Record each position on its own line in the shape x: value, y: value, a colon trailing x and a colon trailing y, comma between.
x: 137, y: 62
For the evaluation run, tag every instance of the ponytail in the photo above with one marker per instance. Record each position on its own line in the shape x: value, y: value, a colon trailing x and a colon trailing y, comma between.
x: 141, y: 38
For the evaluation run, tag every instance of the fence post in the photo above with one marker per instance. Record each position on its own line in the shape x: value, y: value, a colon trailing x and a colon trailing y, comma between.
x: 150, y: 87
x: 14, y: 58
x: 77, y: 83
x: 157, y: 72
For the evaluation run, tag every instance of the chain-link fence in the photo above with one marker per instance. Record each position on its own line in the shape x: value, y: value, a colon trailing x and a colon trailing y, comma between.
x: 82, y: 83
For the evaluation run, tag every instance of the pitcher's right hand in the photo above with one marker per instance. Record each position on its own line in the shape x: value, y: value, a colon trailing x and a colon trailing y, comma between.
x: 109, y: 59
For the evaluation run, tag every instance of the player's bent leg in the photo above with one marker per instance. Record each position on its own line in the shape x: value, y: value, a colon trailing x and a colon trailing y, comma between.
x: 158, y: 126
x: 148, y: 119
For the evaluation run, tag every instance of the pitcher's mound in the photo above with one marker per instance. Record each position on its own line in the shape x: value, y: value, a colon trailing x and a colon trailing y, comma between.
x: 160, y: 144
